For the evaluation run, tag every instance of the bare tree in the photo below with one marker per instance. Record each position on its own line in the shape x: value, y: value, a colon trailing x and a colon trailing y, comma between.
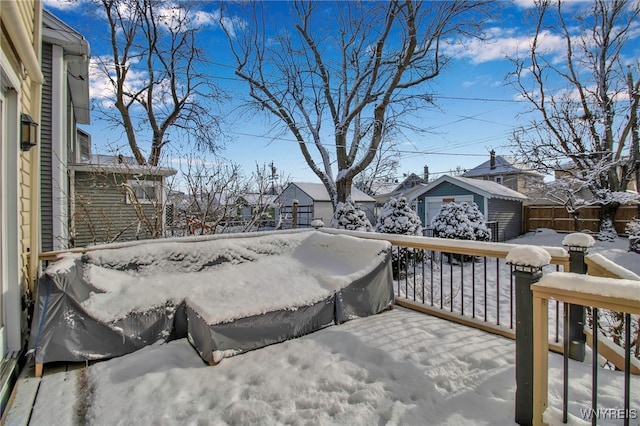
x: 220, y: 198
x: 339, y: 86
x: 155, y: 72
x: 383, y: 168
x: 584, y: 99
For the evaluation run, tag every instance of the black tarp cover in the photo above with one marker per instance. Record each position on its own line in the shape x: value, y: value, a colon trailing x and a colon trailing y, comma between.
x: 64, y: 330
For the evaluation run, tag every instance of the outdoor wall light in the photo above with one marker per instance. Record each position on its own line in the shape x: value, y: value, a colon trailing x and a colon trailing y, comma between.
x: 28, y: 132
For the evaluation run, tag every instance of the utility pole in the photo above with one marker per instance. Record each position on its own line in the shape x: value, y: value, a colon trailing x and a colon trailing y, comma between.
x: 633, y: 116
x: 274, y: 177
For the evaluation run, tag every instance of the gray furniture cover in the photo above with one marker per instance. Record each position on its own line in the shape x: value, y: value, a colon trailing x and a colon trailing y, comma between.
x: 63, y: 329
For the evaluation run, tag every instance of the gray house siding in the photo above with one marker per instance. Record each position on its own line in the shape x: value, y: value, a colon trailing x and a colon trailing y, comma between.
x: 510, y: 181
x: 46, y: 186
x: 446, y: 189
x: 102, y: 213
x: 508, y: 214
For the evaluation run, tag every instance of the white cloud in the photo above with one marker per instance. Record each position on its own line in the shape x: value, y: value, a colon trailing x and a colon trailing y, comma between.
x: 100, y: 86
x: 61, y: 4
x: 502, y: 43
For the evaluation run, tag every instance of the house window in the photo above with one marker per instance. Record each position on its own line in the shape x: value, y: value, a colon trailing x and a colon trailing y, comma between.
x: 142, y: 191
x: 499, y: 179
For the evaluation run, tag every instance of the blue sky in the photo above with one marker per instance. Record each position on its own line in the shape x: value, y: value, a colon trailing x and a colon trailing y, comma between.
x: 476, y: 109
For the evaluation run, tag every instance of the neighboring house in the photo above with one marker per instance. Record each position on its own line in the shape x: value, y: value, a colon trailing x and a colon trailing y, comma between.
x: 314, y: 202
x: 510, y: 173
x: 20, y: 94
x: 399, y: 189
x: 114, y: 199
x: 252, y: 204
x: 65, y: 104
x: 496, y: 202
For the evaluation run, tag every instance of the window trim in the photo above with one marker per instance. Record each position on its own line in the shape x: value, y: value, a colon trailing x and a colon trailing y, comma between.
x: 133, y: 184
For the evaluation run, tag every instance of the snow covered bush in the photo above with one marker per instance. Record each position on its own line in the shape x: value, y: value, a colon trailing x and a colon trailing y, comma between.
x: 633, y: 228
x: 398, y: 218
x: 462, y: 221
x: 349, y: 216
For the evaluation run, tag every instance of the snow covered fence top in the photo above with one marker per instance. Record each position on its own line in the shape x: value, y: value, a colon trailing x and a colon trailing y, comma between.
x: 474, y: 248
x: 609, y: 293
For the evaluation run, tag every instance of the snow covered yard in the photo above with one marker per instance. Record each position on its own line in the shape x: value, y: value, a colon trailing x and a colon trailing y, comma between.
x: 398, y: 367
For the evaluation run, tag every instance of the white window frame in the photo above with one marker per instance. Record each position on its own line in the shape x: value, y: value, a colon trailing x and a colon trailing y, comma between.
x: 133, y: 184
x: 499, y: 179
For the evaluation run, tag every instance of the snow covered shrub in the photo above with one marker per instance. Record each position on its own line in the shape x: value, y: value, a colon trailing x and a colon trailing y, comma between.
x: 462, y: 221
x: 349, y: 216
x: 633, y: 228
x: 398, y: 218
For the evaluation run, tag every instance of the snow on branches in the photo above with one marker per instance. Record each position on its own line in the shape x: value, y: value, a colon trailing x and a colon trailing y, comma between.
x: 398, y: 218
x: 351, y: 217
x: 462, y: 222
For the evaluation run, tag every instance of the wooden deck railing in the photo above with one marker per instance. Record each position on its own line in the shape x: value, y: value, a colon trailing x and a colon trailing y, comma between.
x: 595, y: 292
x: 490, y: 255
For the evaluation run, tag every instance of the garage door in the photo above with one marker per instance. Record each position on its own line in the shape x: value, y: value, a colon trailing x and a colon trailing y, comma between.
x: 434, y: 204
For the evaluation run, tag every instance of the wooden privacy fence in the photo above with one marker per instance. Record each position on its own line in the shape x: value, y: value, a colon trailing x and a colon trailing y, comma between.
x: 588, y: 219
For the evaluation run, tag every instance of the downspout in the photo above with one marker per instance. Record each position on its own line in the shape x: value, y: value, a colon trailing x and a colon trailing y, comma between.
x: 36, y: 109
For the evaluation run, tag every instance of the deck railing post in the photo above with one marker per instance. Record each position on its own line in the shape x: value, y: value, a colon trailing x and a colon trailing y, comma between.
x: 525, y: 276
x: 294, y: 214
x: 527, y: 263
x: 578, y: 244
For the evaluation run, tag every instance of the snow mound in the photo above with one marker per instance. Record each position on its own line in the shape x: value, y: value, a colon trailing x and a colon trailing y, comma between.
x: 578, y: 239
x: 228, y: 279
x: 526, y: 255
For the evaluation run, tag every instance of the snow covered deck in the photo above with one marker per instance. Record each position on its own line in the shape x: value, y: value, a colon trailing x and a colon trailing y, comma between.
x: 399, y: 367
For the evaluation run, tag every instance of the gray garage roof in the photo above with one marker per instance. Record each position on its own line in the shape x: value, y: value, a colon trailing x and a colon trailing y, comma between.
x: 486, y: 188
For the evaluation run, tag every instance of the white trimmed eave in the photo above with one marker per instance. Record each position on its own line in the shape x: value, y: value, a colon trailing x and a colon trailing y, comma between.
x: 76, y: 55
x: 124, y: 169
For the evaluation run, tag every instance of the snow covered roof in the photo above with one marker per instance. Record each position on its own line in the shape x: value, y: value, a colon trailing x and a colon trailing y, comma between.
x: 383, y: 188
x: 503, y: 165
x: 394, y: 188
x: 410, y: 193
x: 121, y: 164
x: 486, y: 188
x: 254, y: 199
x: 318, y: 192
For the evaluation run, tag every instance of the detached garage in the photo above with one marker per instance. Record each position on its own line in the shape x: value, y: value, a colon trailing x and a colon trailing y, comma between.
x: 314, y: 202
x: 498, y: 203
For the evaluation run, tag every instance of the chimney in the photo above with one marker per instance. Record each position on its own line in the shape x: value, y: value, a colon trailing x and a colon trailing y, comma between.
x: 425, y: 174
x: 492, y: 159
